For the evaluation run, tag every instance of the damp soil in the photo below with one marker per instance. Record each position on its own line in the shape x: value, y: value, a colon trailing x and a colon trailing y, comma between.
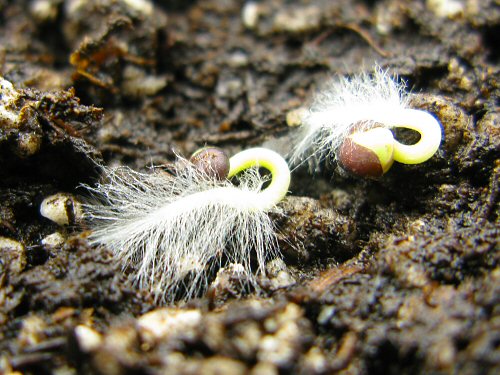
x: 397, y: 275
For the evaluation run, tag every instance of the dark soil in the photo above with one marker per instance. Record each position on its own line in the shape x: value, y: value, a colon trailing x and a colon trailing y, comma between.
x: 395, y: 275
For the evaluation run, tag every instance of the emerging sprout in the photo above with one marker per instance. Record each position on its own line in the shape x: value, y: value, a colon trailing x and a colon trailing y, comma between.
x: 430, y: 135
x: 351, y: 120
x: 368, y: 153
x: 176, y: 229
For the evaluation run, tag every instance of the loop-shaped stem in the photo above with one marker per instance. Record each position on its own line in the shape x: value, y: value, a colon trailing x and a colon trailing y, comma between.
x: 424, y: 123
x: 274, y: 163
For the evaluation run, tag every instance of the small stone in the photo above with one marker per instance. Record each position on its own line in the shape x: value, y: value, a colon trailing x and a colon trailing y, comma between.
x: 231, y: 281
x: 53, y: 240
x: 13, y: 254
x: 121, y: 338
x: 284, y: 340
x: 136, y: 83
x: 298, y: 20
x: 246, y: 339
x: 44, y: 10
x: 229, y: 87
x: 443, y: 354
x: 326, y: 314
x: 315, y: 361
x: 88, y: 339
x: 169, y: 323
x: 9, y: 116
x: 145, y: 7
x: 32, y: 331
x: 29, y: 143
x: 238, y: 59
x: 416, y: 276
x: 62, y: 209
x: 264, y: 368
x: 278, y: 274
x: 445, y: 8
x: 294, y: 117
x: 250, y: 14
x: 219, y: 365
x: 389, y: 16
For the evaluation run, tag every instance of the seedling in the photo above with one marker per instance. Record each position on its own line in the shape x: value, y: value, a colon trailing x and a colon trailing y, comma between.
x: 179, y: 227
x: 351, y: 121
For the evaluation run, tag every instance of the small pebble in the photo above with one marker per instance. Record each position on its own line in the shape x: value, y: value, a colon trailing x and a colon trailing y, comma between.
x: 250, y: 14
x: 298, y: 20
x: 145, y: 7
x: 13, y: 254
x: 9, y: 117
x: 166, y: 323
x: 445, y: 8
x: 295, y: 116
x: 88, y: 339
x: 53, y: 240
x: 32, y: 331
x: 29, y: 143
x: 136, y: 83
x: 44, y: 10
x: 62, y: 209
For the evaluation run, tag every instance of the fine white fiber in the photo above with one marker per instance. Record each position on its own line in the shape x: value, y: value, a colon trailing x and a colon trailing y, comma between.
x: 177, y: 228
x: 346, y: 104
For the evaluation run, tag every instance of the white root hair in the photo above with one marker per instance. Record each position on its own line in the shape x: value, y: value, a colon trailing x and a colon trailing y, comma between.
x: 177, y: 228
x: 344, y: 105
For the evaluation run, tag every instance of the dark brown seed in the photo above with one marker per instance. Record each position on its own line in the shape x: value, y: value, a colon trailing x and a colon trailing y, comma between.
x: 211, y: 161
x: 359, y: 160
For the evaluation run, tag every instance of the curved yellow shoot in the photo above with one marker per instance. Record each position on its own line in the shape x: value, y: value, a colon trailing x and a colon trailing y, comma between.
x: 430, y: 135
x: 274, y: 163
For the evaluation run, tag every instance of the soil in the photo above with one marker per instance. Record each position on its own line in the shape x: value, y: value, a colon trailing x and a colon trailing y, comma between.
x: 393, y: 275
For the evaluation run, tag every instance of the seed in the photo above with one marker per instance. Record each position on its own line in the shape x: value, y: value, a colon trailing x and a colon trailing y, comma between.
x: 211, y: 161
x: 368, y: 153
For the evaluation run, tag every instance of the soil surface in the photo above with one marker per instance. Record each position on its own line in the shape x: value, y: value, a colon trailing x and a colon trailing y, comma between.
x: 392, y: 275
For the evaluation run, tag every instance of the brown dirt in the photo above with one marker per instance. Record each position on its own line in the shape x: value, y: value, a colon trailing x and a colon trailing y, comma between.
x: 395, y: 275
